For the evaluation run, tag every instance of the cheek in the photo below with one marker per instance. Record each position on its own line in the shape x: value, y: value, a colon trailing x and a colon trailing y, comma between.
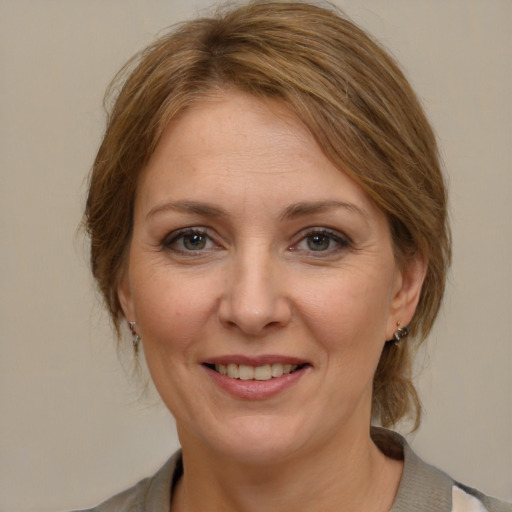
x: 346, y: 307
x: 171, y: 309
x: 173, y: 313
x: 347, y: 316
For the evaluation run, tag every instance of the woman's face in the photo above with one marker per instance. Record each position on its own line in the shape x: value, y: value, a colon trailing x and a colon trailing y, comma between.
x: 252, y: 255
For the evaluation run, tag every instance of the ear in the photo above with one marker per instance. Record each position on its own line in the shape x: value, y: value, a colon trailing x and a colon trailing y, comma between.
x: 124, y: 294
x: 406, y: 295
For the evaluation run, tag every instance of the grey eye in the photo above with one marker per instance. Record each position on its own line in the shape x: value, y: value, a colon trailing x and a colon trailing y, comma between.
x: 319, y: 242
x: 194, y: 241
x: 189, y: 241
x: 322, y: 241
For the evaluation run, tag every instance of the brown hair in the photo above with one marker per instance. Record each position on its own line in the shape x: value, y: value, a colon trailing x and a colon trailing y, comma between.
x: 349, y: 93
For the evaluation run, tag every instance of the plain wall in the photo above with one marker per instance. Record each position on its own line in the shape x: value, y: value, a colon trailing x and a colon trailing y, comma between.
x: 72, y: 430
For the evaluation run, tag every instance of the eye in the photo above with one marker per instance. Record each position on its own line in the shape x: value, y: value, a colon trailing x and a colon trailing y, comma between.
x: 190, y: 240
x: 194, y: 241
x: 321, y: 241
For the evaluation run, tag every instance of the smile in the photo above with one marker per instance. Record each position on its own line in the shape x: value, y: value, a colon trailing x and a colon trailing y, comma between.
x: 256, y: 377
x: 247, y: 372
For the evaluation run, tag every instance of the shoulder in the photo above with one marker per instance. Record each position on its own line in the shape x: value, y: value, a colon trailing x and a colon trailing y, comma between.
x: 424, y: 488
x: 153, y: 493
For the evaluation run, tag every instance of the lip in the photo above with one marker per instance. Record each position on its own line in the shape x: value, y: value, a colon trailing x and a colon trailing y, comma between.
x: 256, y: 389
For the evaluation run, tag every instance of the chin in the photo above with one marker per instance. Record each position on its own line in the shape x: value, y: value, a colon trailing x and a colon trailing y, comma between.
x: 257, y: 440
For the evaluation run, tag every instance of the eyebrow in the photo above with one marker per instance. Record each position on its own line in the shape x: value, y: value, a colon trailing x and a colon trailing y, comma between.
x: 293, y: 211
x: 311, y: 207
x: 196, y: 207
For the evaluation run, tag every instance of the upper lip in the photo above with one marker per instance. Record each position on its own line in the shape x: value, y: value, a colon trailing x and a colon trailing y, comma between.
x: 260, y: 360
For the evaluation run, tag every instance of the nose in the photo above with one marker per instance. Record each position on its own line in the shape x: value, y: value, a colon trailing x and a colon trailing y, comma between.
x: 254, y: 300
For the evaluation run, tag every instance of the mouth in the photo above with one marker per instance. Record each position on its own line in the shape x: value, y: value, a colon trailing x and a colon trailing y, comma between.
x: 256, y: 378
x: 263, y: 372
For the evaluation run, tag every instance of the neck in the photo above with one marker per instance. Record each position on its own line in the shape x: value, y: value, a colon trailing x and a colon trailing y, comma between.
x: 352, y: 476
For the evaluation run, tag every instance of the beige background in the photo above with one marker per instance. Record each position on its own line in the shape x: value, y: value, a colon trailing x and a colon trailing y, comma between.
x: 71, y: 429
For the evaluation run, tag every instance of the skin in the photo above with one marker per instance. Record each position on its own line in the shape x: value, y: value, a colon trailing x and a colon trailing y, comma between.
x: 261, y: 275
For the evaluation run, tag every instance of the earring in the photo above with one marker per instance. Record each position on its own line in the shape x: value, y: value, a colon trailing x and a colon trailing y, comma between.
x: 401, y: 332
x: 135, y: 337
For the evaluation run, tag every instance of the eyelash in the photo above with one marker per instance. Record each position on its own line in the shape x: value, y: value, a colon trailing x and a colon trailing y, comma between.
x: 174, y: 238
x: 341, y: 241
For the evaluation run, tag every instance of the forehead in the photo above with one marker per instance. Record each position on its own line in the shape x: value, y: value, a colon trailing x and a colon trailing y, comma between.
x: 227, y: 126
x: 234, y: 144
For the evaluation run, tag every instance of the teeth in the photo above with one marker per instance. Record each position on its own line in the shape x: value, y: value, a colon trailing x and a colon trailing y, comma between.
x: 277, y: 370
x: 263, y: 372
x: 232, y: 371
x: 245, y: 372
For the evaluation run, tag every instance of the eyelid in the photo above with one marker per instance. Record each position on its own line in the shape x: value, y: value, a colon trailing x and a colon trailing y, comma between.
x: 343, y: 241
x: 175, y: 235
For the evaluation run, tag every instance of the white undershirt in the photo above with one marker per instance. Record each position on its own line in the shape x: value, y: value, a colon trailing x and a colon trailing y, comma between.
x: 463, y: 502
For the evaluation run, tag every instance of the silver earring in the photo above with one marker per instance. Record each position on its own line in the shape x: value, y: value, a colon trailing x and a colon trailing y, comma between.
x: 135, y: 337
x: 401, y: 332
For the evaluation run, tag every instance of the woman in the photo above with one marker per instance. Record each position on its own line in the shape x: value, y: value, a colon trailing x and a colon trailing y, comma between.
x: 268, y: 215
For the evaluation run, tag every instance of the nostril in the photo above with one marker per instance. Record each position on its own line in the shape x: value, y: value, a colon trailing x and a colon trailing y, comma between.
x: 252, y: 301
x: 250, y: 320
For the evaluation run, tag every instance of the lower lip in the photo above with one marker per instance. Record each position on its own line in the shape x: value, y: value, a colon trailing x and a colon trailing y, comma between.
x: 256, y: 389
